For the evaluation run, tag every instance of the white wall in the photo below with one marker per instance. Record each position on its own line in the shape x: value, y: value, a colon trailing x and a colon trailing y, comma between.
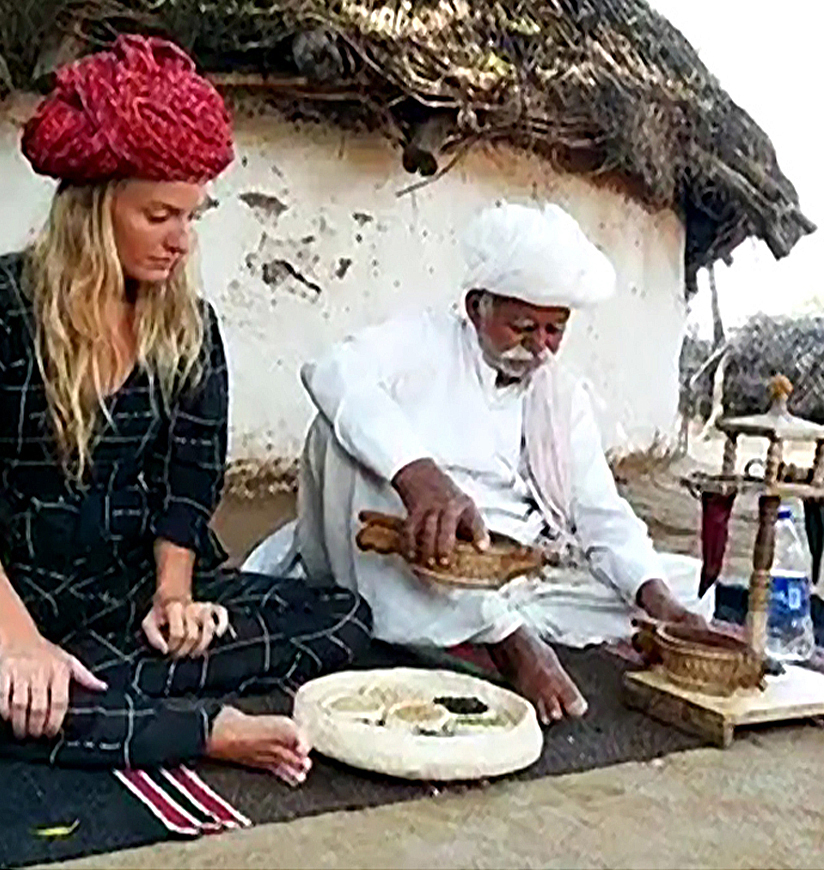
x: 341, y: 204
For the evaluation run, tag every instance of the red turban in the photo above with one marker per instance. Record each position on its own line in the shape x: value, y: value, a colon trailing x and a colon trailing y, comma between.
x: 137, y: 111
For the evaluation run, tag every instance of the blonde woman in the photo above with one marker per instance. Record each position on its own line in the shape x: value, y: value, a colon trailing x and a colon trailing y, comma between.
x: 113, y: 422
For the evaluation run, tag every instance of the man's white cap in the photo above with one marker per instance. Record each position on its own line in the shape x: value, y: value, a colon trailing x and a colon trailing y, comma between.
x: 537, y: 255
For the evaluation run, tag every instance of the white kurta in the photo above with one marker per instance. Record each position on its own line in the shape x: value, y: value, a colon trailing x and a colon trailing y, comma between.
x: 418, y: 387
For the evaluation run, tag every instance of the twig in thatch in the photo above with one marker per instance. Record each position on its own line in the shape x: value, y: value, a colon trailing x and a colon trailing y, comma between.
x: 6, y: 83
x: 630, y: 466
x: 293, y: 85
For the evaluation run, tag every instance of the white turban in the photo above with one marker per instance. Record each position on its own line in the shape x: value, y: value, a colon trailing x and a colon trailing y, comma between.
x: 539, y: 256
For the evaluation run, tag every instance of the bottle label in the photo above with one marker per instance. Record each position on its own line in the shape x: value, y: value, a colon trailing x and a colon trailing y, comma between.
x: 789, y: 598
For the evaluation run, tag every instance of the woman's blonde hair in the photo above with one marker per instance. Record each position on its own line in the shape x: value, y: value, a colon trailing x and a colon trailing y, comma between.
x: 73, y: 274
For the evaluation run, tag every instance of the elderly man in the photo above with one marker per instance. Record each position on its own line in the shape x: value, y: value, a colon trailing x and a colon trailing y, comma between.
x: 466, y: 423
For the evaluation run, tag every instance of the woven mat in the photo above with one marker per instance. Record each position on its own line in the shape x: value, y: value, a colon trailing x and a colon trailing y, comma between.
x: 609, y: 734
x: 33, y: 797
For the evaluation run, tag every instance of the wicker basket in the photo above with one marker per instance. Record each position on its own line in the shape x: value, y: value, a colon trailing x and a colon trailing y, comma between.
x: 701, y: 660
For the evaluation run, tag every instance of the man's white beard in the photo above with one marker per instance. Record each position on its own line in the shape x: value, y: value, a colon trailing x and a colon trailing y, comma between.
x: 516, y: 363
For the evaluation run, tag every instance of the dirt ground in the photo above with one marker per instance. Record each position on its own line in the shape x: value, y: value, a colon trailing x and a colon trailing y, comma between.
x: 758, y: 804
x: 242, y: 523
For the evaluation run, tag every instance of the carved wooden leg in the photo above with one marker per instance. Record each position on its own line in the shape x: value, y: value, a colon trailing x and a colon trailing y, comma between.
x: 760, y: 581
x: 730, y: 446
x: 775, y: 454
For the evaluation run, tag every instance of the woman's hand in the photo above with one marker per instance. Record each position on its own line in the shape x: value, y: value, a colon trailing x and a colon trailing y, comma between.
x: 181, y: 627
x: 35, y: 676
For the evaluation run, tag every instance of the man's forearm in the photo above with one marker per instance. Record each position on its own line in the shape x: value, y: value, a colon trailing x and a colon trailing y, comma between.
x: 15, y: 621
x: 175, y: 566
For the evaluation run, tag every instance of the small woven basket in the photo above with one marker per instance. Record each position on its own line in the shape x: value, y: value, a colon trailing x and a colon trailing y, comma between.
x: 702, y: 660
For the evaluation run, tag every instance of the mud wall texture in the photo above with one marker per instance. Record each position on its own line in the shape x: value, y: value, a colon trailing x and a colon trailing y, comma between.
x: 310, y: 236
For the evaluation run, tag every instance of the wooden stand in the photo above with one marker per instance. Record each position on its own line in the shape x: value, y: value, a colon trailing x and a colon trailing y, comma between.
x: 797, y: 694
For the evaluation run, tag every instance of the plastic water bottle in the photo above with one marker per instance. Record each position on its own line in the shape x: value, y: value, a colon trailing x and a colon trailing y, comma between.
x: 790, y: 636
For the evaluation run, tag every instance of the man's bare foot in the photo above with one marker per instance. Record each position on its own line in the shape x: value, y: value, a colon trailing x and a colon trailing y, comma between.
x: 272, y: 743
x: 532, y: 667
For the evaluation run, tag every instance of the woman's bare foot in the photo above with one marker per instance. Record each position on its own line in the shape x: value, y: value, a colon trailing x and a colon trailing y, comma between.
x: 532, y: 667
x: 272, y: 743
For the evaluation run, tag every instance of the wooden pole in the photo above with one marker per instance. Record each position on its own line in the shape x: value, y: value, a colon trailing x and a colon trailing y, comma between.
x: 775, y: 455
x: 717, y: 323
x: 818, y: 464
x: 728, y: 465
x: 762, y: 560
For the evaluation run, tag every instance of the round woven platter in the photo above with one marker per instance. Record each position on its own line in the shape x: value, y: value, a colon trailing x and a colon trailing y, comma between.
x: 448, y: 577
x: 402, y: 753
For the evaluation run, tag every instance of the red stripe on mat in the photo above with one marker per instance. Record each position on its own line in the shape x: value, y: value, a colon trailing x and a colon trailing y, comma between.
x: 206, y: 799
x: 170, y: 813
x: 475, y: 655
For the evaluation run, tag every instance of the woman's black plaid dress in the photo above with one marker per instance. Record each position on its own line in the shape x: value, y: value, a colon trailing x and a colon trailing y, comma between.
x: 82, y: 560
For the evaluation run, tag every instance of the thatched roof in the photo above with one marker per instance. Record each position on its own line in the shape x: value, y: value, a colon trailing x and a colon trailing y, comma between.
x: 604, y: 87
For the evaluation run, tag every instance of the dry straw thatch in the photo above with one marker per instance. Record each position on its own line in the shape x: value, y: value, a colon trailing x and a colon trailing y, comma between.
x: 603, y: 87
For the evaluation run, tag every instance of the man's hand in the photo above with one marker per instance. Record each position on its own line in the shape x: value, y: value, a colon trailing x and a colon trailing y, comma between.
x: 183, y: 628
x: 35, y: 676
x: 657, y: 600
x: 438, y: 513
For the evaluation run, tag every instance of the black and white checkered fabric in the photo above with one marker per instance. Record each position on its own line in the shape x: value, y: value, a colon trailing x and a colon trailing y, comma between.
x: 81, y: 557
x: 157, y: 711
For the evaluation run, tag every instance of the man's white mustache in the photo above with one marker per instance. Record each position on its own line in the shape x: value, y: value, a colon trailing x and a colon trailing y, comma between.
x: 521, y: 354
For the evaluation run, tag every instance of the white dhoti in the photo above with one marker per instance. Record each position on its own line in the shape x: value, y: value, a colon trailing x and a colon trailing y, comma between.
x: 528, y: 454
x: 566, y: 605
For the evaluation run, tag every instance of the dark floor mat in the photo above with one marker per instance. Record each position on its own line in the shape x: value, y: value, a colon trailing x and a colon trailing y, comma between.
x: 609, y: 734
x: 33, y: 796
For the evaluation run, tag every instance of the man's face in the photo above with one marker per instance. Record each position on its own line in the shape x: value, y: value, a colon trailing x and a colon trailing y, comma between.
x: 516, y: 338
